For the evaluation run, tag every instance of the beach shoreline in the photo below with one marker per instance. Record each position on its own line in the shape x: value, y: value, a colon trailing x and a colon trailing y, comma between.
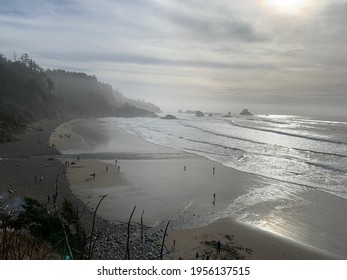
x: 189, y: 231
x: 129, y: 181
x: 32, y: 156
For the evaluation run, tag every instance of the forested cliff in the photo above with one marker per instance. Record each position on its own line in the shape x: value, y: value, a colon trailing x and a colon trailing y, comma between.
x: 29, y: 93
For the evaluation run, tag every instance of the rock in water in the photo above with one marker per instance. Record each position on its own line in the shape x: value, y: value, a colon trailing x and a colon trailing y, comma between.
x: 168, y: 117
x: 200, y: 114
x: 245, y: 112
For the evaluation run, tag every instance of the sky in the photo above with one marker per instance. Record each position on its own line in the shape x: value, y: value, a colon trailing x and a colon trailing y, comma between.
x: 270, y: 56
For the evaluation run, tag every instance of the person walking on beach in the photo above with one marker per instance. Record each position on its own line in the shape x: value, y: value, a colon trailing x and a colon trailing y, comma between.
x: 218, y: 246
x: 106, y: 168
x: 118, y: 168
x: 185, y: 168
x: 214, y: 200
x: 214, y: 169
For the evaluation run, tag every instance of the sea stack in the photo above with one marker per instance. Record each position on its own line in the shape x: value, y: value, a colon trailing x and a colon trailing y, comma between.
x: 245, y: 112
x: 200, y: 114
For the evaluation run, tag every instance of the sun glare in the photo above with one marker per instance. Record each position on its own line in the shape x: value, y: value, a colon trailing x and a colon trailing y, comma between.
x: 291, y: 7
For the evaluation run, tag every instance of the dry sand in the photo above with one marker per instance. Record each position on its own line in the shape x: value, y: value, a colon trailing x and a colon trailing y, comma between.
x: 164, y: 190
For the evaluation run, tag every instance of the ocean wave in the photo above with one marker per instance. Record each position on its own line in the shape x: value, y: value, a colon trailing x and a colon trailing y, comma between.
x: 267, y: 120
x: 327, y: 167
x: 216, y: 145
x: 151, y: 129
x: 319, y: 122
x: 223, y: 135
x: 203, y: 153
x: 258, y: 142
x: 321, y: 153
x: 289, y: 134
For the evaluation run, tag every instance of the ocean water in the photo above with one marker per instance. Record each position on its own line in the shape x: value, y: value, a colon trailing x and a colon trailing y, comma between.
x: 291, y: 149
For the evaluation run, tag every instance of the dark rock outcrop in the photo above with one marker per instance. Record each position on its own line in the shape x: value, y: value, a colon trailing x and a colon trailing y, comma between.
x: 245, y: 112
x: 200, y: 114
x: 168, y: 117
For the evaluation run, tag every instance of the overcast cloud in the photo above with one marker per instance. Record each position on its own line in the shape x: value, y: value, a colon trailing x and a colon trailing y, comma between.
x: 192, y: 54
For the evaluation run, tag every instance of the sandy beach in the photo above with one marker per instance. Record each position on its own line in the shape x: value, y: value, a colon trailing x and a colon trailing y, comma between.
x: 170, y: 185
x: 32, y: 156
x: 239, y: 241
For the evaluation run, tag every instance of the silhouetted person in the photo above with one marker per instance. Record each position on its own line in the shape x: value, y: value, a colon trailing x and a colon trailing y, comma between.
x: 218, y: 246
x: 118, y: 168
x: 184, y: 168
x: 214, y: 169
x: 106, y: 168
x: 196, y: 255
x: 214, y: 200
